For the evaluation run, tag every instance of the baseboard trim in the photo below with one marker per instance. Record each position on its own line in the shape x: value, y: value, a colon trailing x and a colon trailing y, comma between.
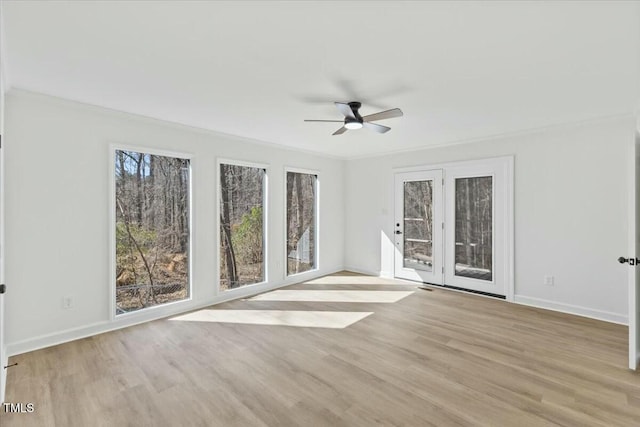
x: 606, y: 316
x: 72, y: 334
x: 364, y: 271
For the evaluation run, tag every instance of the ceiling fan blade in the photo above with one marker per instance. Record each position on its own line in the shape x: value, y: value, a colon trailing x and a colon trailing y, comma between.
x: 376, y: 127
x: 331, y: 121
x: 340, y: 131
x: 389, y: 114
x: 345, y: 109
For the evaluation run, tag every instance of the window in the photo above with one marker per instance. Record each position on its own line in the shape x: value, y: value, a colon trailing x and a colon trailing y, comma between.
x: 301, y: 222
x: 242, y: 219
x: 152, y: 235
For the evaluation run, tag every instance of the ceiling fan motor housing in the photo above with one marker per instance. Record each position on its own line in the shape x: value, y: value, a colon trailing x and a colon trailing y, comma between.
x: 355, y: 106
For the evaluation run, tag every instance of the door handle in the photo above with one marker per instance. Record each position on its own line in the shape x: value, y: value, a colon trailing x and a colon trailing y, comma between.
x: 631, y: 261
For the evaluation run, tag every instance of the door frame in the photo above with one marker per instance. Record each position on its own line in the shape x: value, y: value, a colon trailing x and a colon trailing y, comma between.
x: 497, y: 170
x: 634, y: 248
x: 507, y: 163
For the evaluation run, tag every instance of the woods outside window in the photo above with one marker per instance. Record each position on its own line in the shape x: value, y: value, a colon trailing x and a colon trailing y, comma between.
x: 242, y: 206
x: 301, y: 200
x: 152, y: 230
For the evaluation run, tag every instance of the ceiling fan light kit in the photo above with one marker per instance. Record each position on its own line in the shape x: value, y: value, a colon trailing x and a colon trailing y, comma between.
x: 353, y: 120
x: 353, y: 125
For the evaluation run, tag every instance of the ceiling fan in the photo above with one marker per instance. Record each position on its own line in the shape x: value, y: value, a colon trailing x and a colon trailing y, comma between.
x: 353, y: 120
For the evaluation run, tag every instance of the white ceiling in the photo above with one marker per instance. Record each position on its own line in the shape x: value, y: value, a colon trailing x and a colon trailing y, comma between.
x: 458, y: 70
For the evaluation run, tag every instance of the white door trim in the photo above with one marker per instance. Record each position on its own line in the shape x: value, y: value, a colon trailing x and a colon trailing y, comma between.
x: 634, y: 250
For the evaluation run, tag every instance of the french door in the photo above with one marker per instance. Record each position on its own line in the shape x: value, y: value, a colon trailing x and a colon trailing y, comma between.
x: 453, y: 225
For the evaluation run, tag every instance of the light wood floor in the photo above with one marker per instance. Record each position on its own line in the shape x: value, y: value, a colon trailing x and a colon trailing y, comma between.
x: 437, y: 358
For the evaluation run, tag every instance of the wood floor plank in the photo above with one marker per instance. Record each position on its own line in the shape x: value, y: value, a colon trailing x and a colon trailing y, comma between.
x: 438, y: 358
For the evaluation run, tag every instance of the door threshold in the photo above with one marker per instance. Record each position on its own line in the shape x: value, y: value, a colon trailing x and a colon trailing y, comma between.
x: 471, y: 291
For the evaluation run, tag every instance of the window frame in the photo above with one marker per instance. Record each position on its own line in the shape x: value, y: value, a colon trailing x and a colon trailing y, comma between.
x: 316, y: 223
x: 265, y: 224
x: 169, y: 306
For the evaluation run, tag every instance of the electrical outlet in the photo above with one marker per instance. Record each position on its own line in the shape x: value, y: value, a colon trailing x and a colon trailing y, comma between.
x: 548, y: 280
x: 67, y: 302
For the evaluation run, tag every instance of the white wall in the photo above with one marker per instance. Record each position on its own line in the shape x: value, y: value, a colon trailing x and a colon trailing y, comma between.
x: 57, y: 213
x: 3, y: 347
x: 571, y: 212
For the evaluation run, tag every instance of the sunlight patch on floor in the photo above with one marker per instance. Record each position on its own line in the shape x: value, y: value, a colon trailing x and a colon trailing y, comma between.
x: 353, y: 279
x: 304, y: 319
x: 333, y: 296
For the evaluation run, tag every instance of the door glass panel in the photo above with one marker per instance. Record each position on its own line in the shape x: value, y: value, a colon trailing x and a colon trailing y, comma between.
x: 474, y: 228
x: 418, y: 225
